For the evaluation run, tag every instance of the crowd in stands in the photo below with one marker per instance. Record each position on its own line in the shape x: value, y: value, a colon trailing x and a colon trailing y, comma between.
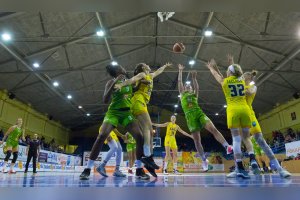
x: 280, y: 139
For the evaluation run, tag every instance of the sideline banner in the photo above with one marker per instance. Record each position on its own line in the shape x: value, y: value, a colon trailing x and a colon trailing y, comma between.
x: 48, y: 157
x: 292, y: 148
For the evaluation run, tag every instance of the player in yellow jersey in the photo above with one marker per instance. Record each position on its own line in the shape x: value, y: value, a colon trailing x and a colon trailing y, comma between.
x: 255, y: 130
x: 143, y: 80
x: 114, y: 147
x: 170, y: 142
x: 238, y: 113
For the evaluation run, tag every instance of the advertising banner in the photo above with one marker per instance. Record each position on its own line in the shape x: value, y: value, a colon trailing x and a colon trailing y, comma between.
x: 101, y: 156
x: 292, y: 148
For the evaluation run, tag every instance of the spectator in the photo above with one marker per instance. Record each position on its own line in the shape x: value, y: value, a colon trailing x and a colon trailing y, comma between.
x: 288, y: 138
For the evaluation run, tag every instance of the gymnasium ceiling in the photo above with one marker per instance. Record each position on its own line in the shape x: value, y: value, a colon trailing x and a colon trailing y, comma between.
x: 68, y: 50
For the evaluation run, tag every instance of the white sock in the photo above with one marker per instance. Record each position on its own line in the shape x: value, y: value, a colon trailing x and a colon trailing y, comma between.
x: 276, y: 164
x: 90, y: 164
x: 166, y: 165
x: 12, y: 165
x: 175, y: 166
x: 147, y: 151
x: 225, y: 145
x: 250, y: 152
x: 236, y: 143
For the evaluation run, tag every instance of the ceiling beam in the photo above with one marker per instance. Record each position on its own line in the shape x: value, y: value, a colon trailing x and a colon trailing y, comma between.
x: 282, y: 63
x: 105, y: 39
x: 10, y: 15
x: 230, y: 39
x: 80, y: 39
x: 41, y: 78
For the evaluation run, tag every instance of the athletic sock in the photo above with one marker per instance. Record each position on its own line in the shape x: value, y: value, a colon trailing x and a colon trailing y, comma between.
x: 166, y: 165
x: 225, y: 145
x: 12, y: 165
x: 147, y: 151
x: 175, y: 166
x: 90, y: 164
x: 276, y: 164
x: 139, y: 164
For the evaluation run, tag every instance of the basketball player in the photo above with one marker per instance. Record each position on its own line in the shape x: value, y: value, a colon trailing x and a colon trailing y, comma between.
x: 131, y: 149
x: 114, y: 147
x: 238, y: 113
x: 170, y: 143
x: 143, y: 79
x: 195, y: 117
x: 13, y: 135
x: 119, y: 113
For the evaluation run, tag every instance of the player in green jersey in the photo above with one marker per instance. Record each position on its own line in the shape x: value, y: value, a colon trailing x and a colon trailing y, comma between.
x: 12, y: 137
x: 118, y: 113
x: 195, y: 117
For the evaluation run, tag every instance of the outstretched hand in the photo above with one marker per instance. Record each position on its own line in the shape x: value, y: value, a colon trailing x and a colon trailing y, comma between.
x: 168, y: 64
x: 180, y: 67
x: 212, y: 63
x: 230, y: 59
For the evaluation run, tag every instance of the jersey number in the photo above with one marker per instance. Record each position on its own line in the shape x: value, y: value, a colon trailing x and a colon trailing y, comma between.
x: 237, y: 90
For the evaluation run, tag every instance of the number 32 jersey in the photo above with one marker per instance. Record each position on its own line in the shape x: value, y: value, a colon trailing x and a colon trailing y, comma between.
x: 234, y: 90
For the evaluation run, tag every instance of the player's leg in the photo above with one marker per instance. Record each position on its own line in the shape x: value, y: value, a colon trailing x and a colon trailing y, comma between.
x: 200, y: 150
x: 15, y: 154
x: 174, y: 152
x: 117, y: 172
x: 218, y: 136
x: 29, y: 156
x: 7, y: 156
x: 112, y: 149
x: 167, y: 158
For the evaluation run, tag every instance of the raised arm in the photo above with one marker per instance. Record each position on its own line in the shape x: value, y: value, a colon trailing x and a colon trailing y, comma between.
x: 195, y: 83
x: 180, y: 84
x: 23, y: 135
x: 131, y: 81
x: 230, y: 59
x: 212, y: 65
x: 160, y: 125
x: 109, y: 87
x: 160, y: 70
x: 7, y: 133
x: 183, y: 132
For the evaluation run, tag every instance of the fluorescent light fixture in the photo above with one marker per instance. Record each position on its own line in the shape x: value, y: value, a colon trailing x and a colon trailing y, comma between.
x: 225, y: 106
x: 217, y: 114
x: 114, y: 63
x: 36, y: 65
x: 208, y: 33
x: 55, y: 84
x: 252, y: 83
x: 6, y: 37
x: 100, y: 33
x: 88, y: 114
x: 192, y: 62
x: 188, y: 82
x: 80, y: 107
x: 176, y: 106
x: 69, y: 96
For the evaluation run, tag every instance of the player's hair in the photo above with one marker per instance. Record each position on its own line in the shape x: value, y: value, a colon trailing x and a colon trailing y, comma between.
x: 238, y: 72
x: 138, y: 68
x: 112, y: 70
x: 252, y: 74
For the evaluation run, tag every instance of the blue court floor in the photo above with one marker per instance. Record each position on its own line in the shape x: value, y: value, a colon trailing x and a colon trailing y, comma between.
x: 48, y: 179
x: 205, y: 186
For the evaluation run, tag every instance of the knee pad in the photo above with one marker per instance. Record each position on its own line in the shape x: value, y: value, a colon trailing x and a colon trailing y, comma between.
x: 15, y: 157
x: 8, y: 154
x: 236, y: 142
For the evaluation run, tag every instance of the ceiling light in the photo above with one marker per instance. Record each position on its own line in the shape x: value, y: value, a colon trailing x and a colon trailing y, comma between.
x: 80, y: 107
x: 217, y: 114
x: 208, y: 33
x: 252, y: 83
x: 69, y: 96
x: 179, y: 96
x: 55, y: 84
x: 225, y: 106
x: 176, y: 106
x: 192, y: 62
x: 36, y: 65
x: 88, y: 114
x: 188, y: 82
x: 100, y: 33
x: 175, y: 114
x: 114, y: 63
x: 6, y: 37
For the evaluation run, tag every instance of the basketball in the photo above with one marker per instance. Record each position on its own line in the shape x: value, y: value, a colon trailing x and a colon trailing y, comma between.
x: 178, y: 48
